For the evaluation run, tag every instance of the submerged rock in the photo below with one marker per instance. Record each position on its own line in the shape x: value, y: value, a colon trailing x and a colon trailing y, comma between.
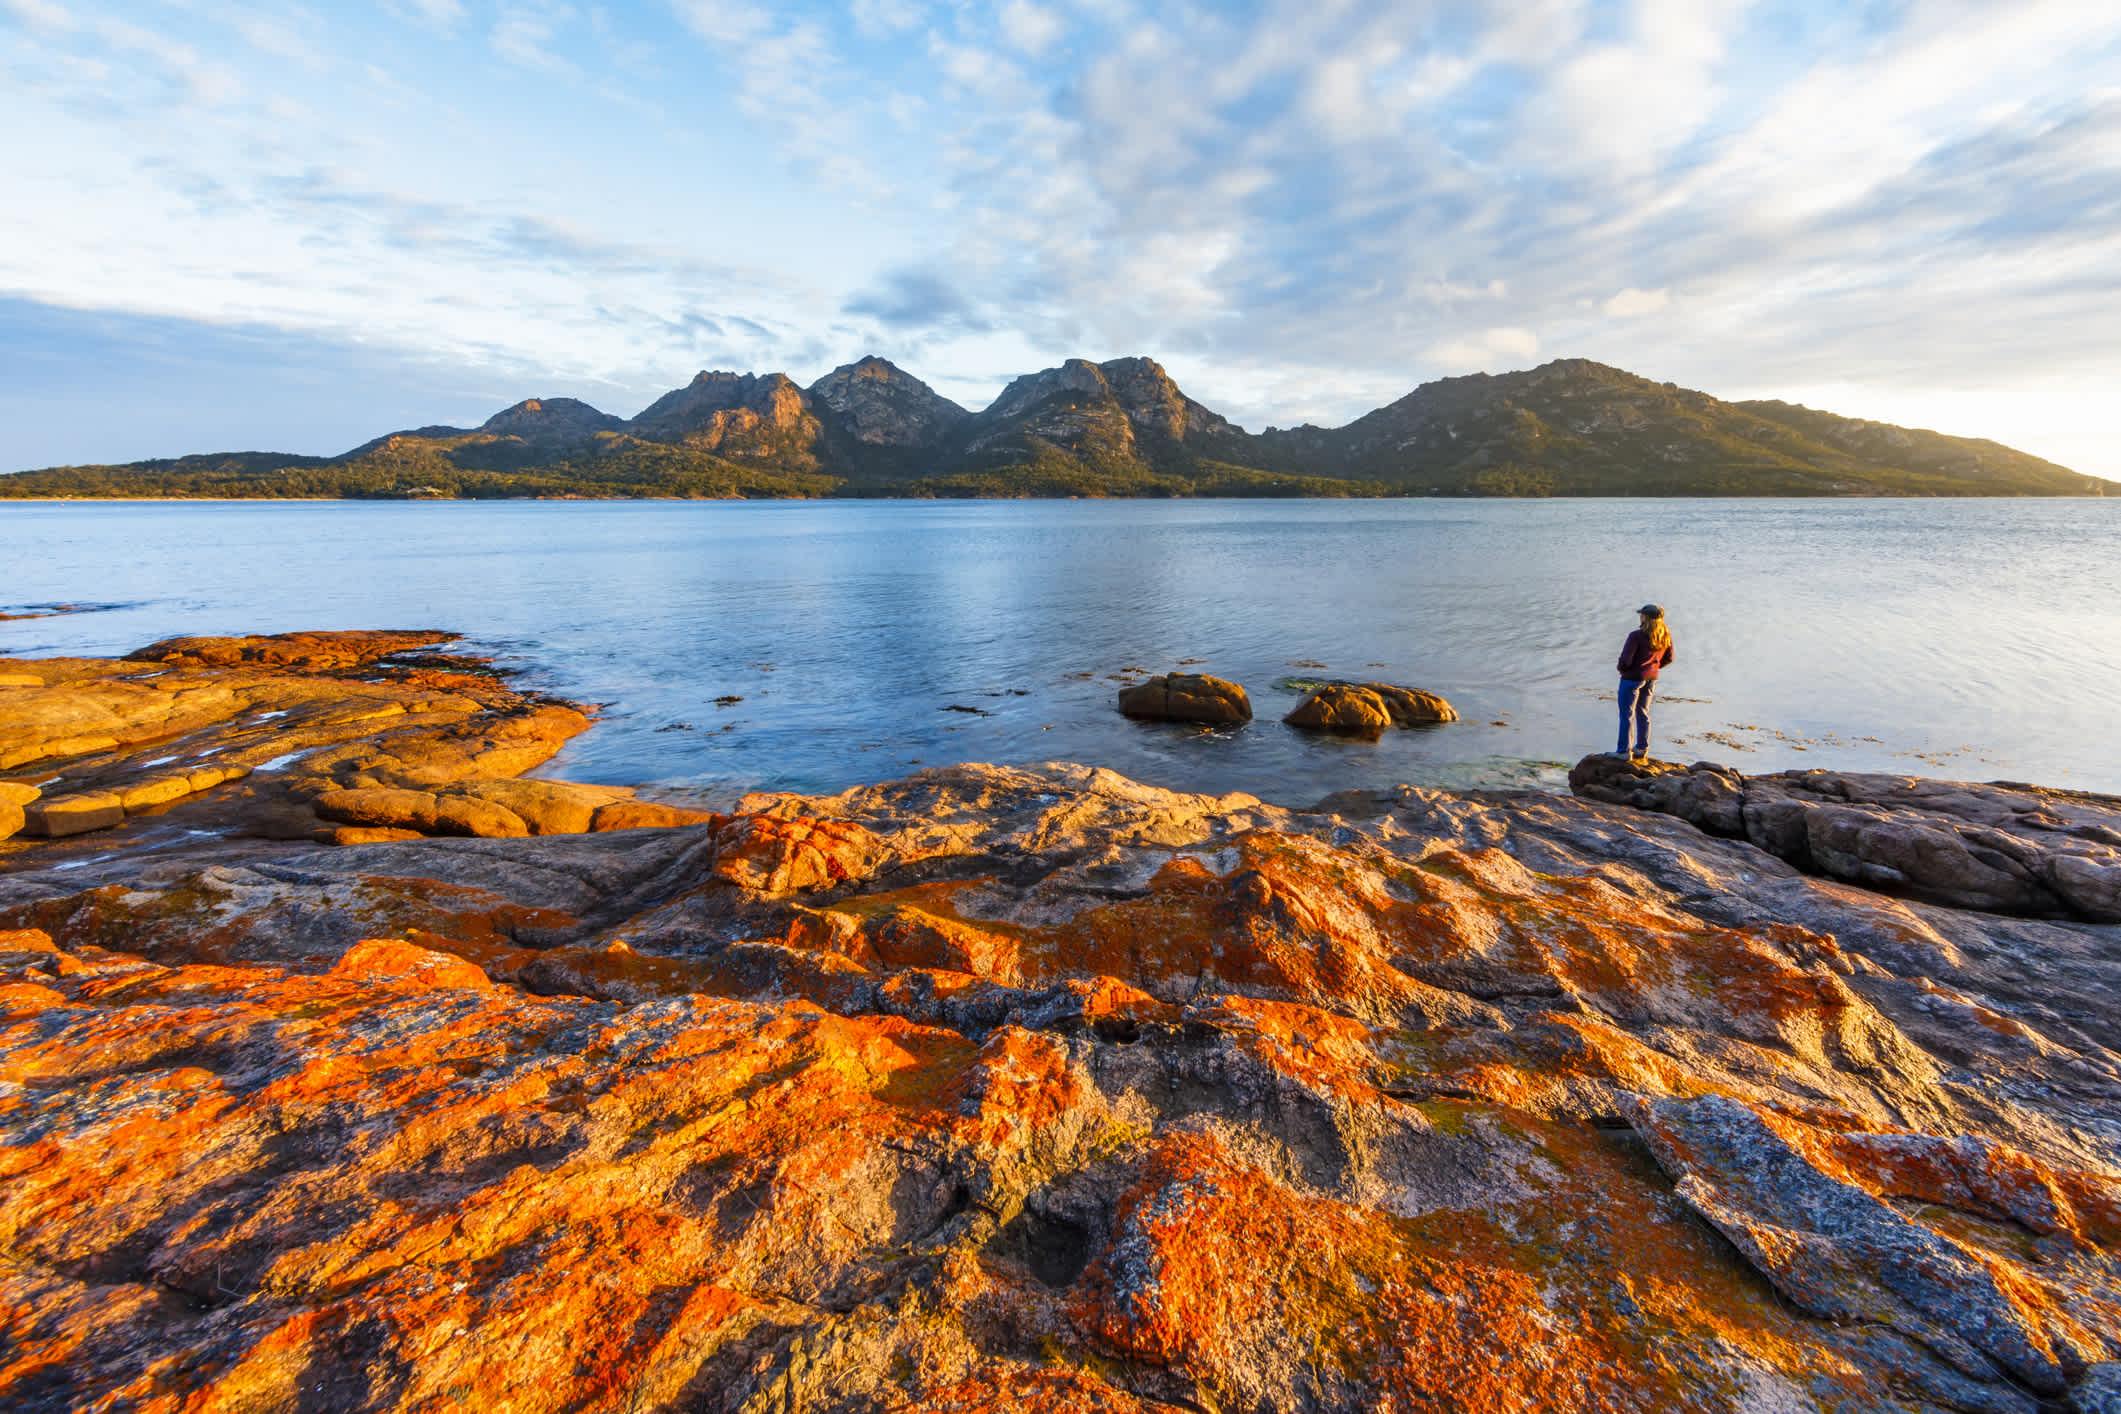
x: 1040, y: 1089
x: 1186, y: 697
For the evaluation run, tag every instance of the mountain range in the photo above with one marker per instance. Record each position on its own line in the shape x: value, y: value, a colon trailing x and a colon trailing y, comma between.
x: 1120, y: 428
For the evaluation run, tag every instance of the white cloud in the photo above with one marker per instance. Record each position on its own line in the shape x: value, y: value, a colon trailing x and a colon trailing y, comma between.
x: 1494, y: 350
x: 442, y: 16
x: 192, y: 78
x: 1523, y: 343
x: 523, y: 35
x: 39, y: 16
x: 1632, y: 303
x: 878, y: 17
x: 1031, y: 28
x: 725, y: 23
x: 1305, y: 200
x: 794, y: 82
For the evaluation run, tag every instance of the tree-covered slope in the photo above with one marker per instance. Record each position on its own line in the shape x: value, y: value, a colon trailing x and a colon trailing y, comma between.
x: 1119, y: 428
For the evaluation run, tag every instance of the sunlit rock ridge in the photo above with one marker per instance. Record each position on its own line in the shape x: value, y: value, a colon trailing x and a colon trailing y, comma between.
x: 1119, y: 428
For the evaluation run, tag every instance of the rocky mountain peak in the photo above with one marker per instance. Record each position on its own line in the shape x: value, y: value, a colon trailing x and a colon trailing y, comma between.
x: 550, y: 420
x: 1155, y: 402
x: 1140, y: 387
x: 772, y: 399
x: 1077, y: 375
x: 885, y: 406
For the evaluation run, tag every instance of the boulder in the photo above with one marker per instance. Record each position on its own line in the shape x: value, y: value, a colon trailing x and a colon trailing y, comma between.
x: 1368, y: 707
x: 59, y: 816
x: 1710, y: 796
x: 1186, y: 697
x: 424, y: 811
x: 13, y: 796
x: 394, y: 960
x: 1999, y: 847
x: 548, y: 807
x: 396, y: 809
x: 646, y: 815
x: 1410, y: 706
x: 156, y: 790
x: 1342, y: 707
x: 366, y: 834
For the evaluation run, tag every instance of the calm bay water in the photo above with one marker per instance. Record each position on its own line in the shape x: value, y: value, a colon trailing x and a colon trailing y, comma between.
x: 1970, y: 639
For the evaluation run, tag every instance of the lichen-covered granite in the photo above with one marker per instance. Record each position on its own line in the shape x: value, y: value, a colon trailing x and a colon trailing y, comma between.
x: 1038, y: 1089
x: 336, y: 737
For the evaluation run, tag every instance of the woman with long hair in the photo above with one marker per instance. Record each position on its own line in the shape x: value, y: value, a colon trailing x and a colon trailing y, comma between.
x: 1647, y: 649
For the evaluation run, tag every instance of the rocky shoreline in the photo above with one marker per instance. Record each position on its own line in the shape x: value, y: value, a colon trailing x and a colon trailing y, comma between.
x: 1023, y: 1088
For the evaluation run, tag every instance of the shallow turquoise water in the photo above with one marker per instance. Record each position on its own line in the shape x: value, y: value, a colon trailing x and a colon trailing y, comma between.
x: 1974, y: 639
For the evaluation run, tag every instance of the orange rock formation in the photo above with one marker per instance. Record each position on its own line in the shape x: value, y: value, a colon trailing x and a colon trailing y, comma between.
x: 1041, y: 1090
x: 343, y: 737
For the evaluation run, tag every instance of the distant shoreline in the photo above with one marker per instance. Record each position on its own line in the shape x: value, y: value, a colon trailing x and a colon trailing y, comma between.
x: 6, y: 500
x: 1122, y: 430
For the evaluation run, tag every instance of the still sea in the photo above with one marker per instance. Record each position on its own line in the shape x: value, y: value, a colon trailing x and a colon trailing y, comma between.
x: 813, y: 646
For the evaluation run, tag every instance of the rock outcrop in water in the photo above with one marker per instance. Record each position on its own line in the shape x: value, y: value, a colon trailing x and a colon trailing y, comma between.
x: 340, y: 737
x: 1186, y: 697
x: 1040, y: 1090
x: 1368, y: 707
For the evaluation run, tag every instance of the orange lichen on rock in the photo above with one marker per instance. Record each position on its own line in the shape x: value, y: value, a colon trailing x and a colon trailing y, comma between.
x: 1038, y: 1089
x: 340, y: 738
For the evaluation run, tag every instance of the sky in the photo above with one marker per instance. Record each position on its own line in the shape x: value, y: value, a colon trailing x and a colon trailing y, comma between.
x: 293, y: 227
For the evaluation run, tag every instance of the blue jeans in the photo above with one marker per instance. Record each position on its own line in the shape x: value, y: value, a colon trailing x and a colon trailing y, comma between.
x: 1635, y: 703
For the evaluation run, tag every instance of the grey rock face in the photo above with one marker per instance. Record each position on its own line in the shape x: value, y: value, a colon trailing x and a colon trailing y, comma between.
x: 1549, y: 1092
x: 1155, y: 404
x: 2002, y: 847
x: 556, y: 421
x: 1075, y: 376
x: 774, y: 399
x: 883, y: 405
x: 1836, y: 1250
x: 1141, y: 388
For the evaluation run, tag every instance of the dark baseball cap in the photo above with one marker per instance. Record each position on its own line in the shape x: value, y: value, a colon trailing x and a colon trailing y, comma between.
x: 1655, y: 611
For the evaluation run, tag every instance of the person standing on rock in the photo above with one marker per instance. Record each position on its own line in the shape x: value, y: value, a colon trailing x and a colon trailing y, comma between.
x: 1647, y: 649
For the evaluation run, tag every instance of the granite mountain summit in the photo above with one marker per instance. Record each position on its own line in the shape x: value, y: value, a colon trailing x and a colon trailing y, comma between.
x: 1123, y: 427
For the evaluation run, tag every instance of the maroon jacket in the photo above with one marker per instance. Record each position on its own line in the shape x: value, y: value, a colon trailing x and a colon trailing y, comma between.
x: 1638, y: 661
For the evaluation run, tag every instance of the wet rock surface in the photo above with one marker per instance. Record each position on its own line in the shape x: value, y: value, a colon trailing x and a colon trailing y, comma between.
x: 1368, y: 707
x: 2005, y: 846
x: 1186, y: 697
x: 326, y: 737
x: 1039, y: 1089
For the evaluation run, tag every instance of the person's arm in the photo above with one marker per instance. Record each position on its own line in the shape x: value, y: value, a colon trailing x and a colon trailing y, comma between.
x: 1666, y: 660
x: 1630, y: 658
